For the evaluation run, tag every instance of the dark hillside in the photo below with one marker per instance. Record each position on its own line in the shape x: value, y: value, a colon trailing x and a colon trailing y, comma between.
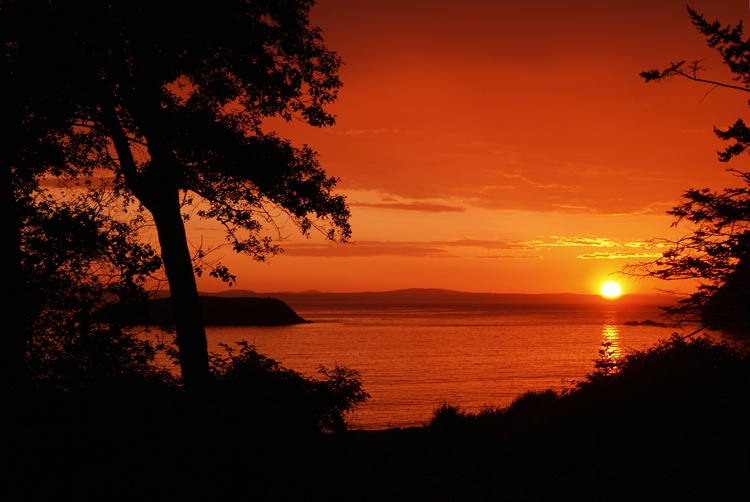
x: 239, y: 311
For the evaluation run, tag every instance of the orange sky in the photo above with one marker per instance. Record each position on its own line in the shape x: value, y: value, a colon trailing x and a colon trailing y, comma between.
x: 504, y: 146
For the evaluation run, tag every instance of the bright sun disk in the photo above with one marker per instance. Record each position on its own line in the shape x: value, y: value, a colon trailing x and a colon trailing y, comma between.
x: 610, y: 289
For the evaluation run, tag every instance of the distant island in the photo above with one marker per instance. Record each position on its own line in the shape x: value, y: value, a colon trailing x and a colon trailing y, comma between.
x: 647, y: 322
x: 217, y: 311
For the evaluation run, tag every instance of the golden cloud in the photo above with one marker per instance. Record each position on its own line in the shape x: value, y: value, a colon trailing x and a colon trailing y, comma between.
x: 617, y: 255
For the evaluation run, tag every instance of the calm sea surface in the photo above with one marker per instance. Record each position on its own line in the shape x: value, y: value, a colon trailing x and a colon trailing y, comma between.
x: 412, y: 359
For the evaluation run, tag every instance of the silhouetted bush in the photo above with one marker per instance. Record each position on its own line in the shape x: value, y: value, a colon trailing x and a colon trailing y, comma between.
x: 692, y: 369
x: 100, y: 356
x: 254, y: 385
x: 671, y: 419
x: 532, y: 401
x: 679, y: 372
x: 449, y: 417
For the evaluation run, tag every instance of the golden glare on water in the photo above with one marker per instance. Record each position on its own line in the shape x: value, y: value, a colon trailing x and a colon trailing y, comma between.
x: 611, y: 290
x: 609, y: 351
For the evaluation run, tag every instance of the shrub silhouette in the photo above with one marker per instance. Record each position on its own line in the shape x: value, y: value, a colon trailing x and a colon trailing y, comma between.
x: 667, y: 394
x: 678, y: 368
x: 260, y: 389
x: 100, y: 357
x: 672, y: 421
x: 448, y: 417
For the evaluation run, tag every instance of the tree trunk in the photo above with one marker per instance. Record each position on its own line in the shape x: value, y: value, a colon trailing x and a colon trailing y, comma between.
x: 157, y: 191
x: 191, y: 333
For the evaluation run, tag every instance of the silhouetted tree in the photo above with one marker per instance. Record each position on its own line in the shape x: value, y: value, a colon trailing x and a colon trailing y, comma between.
x: 67, y: 255
x: 78, y: 256
x: 182, y: 94
x: 717, y: 252
x: 35, y: 137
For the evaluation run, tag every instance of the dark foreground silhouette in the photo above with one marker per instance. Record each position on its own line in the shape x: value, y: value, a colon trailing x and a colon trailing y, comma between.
x: 668, y: 424
x: 216, y: 311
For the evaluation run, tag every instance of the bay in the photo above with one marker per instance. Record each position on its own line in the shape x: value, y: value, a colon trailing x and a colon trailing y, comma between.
x: 413, y: 358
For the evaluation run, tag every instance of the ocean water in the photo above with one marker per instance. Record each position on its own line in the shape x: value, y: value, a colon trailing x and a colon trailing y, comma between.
x: 414, y: 358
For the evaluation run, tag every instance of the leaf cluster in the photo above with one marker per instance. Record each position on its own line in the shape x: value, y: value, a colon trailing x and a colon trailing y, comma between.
x: 715, y: 251
x: 184, y: 94
x: 181, y: 96
x: 255, y: 385
x: 78, y: 258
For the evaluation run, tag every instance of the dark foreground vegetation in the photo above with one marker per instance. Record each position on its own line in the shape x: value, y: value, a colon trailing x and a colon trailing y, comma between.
x: 669, y: 423
x: 175, y: 115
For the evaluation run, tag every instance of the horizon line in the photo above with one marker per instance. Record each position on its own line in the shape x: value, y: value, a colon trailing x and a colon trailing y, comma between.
x: 422, y: 290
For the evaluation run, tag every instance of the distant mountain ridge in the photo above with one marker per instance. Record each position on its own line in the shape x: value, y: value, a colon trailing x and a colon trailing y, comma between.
x: 417, y: 296
x: 238, y: 307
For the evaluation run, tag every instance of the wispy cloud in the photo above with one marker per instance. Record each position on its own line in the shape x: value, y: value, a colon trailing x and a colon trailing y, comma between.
x: 366, y: 248
x: 619, y: 250
x: 597, y: 242
x: 513, y: 256
x: 480, y: 243
x: 617, y: 255
x: 358, y: 132
x: 423, y: 207
x: 477, y: 248
x: 442, y: 249
x: 538, y: 184
x: 645, y: 245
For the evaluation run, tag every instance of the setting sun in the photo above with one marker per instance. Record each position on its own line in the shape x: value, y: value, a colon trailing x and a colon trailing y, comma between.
x: 610, y: 289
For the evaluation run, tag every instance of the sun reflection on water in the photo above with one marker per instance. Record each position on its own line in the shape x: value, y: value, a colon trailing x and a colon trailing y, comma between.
x: 609, y: 351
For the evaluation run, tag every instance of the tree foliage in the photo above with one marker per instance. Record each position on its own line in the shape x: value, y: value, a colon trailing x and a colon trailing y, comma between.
x: 78, y: 257
x: 176, y: 101
x: 31, y: 119
x: 258, y: 384
x: 66, y: 253
x: 184, y: 95
x: 717, y: 251
x: 714, y: 254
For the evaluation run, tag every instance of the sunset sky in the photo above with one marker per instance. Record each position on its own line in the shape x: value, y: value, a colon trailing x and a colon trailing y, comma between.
x: 503, y: 146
